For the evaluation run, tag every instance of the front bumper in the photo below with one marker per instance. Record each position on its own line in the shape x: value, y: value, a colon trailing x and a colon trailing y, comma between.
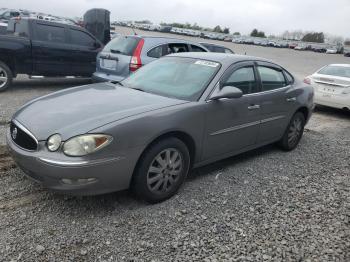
x: 103, y: 77
x: 95, y: 176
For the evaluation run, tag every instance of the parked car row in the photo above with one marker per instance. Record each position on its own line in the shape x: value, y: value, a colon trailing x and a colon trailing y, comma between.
x: 320, y: 48
x: 268, y: 42
x: 7, y: 14
x: 44, y: 48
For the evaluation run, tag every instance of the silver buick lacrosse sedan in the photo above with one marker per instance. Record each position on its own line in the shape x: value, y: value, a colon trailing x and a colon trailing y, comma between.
x: 147, y: 131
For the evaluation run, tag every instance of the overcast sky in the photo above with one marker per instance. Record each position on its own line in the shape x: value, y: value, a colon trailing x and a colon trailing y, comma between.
x: 271, y: 16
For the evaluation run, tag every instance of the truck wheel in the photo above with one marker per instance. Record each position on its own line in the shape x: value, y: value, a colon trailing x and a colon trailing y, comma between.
x: 5, y: 77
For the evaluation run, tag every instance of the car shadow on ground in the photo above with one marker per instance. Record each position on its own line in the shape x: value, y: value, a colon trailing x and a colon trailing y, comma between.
x: 332, y: 112
x: 124, y: 200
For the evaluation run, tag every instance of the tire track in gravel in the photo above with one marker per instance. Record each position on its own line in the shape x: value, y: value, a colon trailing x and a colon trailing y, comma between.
x: 6, y: 162
x: 25, y: 199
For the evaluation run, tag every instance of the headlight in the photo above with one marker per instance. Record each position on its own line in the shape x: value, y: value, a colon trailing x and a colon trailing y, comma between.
x: 86, y: 144
x: 54, y: 142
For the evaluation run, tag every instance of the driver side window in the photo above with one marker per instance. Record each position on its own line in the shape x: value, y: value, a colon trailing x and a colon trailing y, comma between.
x: 244, y: 79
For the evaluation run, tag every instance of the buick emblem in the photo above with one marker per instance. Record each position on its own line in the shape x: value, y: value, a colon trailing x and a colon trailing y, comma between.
x: 14, y: 133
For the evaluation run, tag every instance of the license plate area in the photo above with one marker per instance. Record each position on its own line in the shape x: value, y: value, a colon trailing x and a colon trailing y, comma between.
x: 108, y: 64
x: 328, y: 89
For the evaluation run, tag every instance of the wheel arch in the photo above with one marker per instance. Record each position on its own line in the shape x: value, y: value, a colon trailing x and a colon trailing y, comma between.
x: 181, y: 135
x: 305, y: 111
x: 10, y: 64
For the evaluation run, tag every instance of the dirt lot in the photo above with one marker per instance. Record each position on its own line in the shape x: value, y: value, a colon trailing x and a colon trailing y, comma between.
x: 265, y: 205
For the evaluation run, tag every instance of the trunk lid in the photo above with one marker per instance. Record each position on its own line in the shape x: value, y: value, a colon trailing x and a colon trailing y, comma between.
x: 330, y: 84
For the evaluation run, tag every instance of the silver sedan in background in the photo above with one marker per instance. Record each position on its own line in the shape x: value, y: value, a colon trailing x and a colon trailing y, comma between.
x: 146, y: 132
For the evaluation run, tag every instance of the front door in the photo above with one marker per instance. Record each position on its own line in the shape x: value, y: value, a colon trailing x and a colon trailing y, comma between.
x: 233, y: 124
x: 84, y: 52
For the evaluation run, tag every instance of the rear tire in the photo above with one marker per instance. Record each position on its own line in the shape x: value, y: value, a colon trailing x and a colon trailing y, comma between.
x: 293, y: 133
x: 5, y: 77
x: 161, y: 171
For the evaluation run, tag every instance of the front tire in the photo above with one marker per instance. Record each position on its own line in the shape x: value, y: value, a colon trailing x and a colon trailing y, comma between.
x: 161, y: 171
x: 5, y: 77
x: 293, y: 133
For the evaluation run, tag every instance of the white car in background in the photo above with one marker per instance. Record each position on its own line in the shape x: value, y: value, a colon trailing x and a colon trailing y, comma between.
x: 331, y: 50
x: 331, y: 86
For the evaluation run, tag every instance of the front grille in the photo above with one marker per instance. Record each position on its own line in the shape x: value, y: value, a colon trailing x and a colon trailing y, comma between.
x: 22, y: 137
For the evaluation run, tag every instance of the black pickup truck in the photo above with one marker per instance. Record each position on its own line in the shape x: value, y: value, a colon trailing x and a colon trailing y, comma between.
x: 43, y: 48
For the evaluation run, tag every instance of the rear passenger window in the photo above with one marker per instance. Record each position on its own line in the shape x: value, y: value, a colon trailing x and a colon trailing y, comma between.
x: 244, y: 79
x: 49, y: 33
x: 177, y: 48
x: 195, y: 48
x: 271, y: 78
x: 81, y: 38
x: 156, y: 52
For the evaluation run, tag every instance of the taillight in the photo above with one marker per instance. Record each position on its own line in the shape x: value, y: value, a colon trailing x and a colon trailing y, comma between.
x: 307, y: 80
x: 136, y: 62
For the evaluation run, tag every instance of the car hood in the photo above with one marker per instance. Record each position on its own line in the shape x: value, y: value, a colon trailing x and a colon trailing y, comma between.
x: 78, y: 110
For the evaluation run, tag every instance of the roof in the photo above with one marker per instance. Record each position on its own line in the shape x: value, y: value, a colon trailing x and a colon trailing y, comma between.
x: 164, y: 37
x: 219, y: 57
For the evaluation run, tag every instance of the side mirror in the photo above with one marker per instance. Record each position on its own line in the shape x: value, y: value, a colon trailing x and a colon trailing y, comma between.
x: 227, y: 92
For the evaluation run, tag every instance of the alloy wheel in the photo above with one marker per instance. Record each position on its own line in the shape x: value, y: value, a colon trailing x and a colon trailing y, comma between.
x: 3, y: 77
x: 165, y: 170
x: 295, y: 131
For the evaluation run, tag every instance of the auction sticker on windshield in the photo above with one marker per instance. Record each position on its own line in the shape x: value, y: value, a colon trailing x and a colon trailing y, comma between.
x: 206, y: 63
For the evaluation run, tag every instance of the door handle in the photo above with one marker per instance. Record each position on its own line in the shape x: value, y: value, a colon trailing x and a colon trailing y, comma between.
x: 253, y: 107
x: 291, y: 99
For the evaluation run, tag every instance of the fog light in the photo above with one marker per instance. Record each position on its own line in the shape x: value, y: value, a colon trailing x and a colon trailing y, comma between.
x: 78, y: 182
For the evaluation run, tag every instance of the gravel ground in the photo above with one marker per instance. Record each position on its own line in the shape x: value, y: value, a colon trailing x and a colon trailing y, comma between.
x: 265, y: 205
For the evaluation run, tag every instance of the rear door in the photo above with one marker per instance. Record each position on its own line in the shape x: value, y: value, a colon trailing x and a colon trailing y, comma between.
x: 85, y: 49
x: 277, y: 99
x: 50, y: 50
x: 116, y: 56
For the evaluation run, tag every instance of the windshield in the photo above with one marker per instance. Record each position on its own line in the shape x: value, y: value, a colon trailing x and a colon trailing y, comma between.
x: 181, y: 78
x: 341, y: 71
x: 122, y: 44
